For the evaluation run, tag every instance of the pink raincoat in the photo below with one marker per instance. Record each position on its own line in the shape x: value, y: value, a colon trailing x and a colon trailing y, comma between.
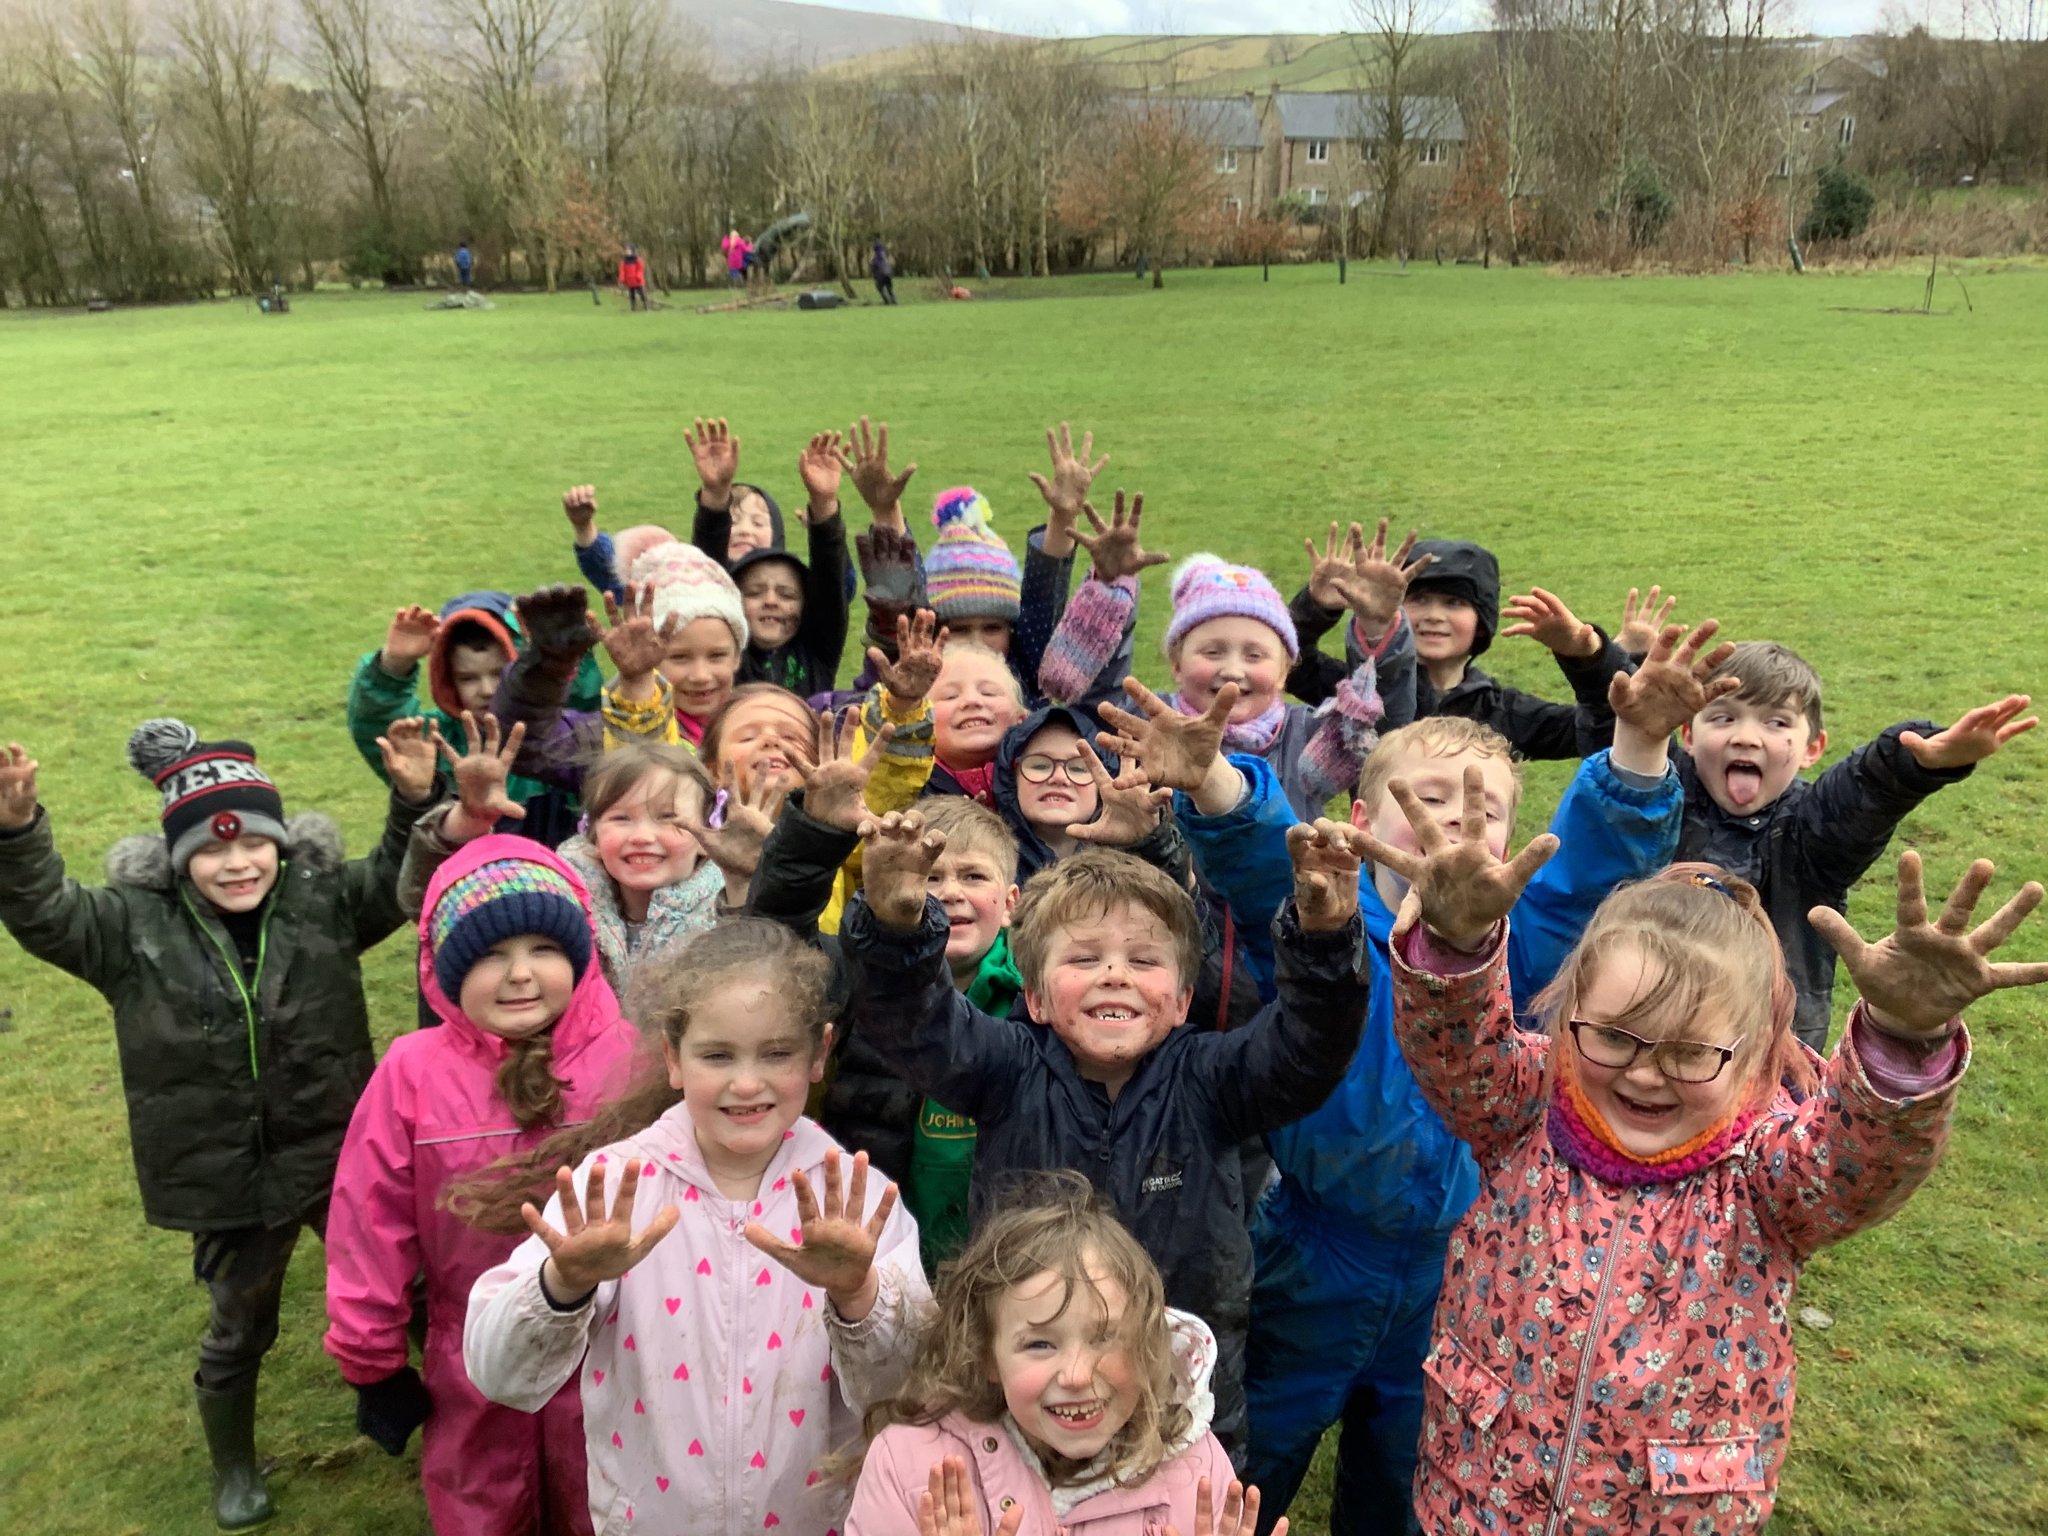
x: 1002, y: 1472
x: 1618, y: 1359
x: 715, y: 1382
x: 430, y: 1115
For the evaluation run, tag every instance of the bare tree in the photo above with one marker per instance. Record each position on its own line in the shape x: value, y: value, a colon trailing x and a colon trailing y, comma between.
x: 228, y: 129
x: 110, y: 45
x: 632, y: 50
x: 351, y: 52
x: 1146, y: 182
x: 1392, y: 114
x: 827, y: 165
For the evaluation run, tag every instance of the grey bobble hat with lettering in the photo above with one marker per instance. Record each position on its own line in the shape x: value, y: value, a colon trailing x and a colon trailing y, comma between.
x: 211, y: 789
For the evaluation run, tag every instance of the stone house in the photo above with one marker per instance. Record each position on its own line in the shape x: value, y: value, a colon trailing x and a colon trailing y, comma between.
x: 1327, y: 144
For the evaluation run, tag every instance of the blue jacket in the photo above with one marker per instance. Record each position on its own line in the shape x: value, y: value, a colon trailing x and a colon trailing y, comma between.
x: 1375, y: 1163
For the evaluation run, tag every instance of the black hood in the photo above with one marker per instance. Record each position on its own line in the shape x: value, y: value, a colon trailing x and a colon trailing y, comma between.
x: 775, y: 535
x: 1033, y: 853
x: 1468, y: 571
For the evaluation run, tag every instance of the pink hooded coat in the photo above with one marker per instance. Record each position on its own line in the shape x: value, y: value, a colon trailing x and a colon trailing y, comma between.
x: 1619, y: 1359
x: 430, y: 1115
x: 1002, y: 1473
x: 715, y: 1383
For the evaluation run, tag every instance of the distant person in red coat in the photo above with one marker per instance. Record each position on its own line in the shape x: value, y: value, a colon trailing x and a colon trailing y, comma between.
x: 633, y: 278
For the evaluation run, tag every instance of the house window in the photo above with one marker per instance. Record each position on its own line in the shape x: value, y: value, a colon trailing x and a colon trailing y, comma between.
x: 1430, y: 154
x: 1845, y: 132
x: 1318, y: 151
x: 1226, y: 161
x: 1370, y: 152
x: 1806, y: 125
x: 1316, y: 196
x: 1785, y: 166
x: 1233, y: 208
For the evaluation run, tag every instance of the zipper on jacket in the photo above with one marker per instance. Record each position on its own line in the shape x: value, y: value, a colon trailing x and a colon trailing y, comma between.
x: 247, y: 989
x: 1562, y: 1498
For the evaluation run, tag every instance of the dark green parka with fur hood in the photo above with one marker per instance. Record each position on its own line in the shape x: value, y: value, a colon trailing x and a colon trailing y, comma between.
x: 238, y: 1098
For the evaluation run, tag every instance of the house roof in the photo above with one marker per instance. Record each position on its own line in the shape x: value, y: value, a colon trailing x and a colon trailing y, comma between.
x: 1812, y: 103
x: 1228, y: 122
x: 1363, y: 115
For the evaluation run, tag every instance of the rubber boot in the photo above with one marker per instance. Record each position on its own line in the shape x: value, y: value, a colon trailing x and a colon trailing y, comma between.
x: 240, y: 1499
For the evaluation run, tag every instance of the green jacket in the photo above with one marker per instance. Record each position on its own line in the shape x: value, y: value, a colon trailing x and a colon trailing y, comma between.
x: 238, y: 1098
x: 942, y: 1152
x: 376, y: 699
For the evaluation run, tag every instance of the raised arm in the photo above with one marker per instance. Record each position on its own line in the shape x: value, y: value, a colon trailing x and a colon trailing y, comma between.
x: 385, y: 682
x: 1853, y: 1153
x: 904, y: 1002
x: 79, y: 929
x: 1452, y: 1014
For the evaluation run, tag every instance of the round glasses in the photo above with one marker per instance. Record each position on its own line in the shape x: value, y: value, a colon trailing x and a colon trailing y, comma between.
x: 1683, y: 1061
x: 1039, y: 769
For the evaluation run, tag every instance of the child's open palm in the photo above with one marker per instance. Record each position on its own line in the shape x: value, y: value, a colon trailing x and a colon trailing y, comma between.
x: 716, y: 453
x: 834, y: 791
x: 1072, y: 474
x: 1115, y: 548
x: 897, y: 855
x: 595, y: 1246
x: 481, y: 771
x: 558, y: 626
x: 1325, y: 875
x: 820, y: 466
x: 1543, y: 617
x: 630, y: 638
x: 1175, y: 750
x: 736, y: 846
x: 1455, y: 884
x: 836, y: 1250
x: 946, y: 1507
x: 17, y: 787
x: 1973, y: 738
x: 1674, y: 683
x: 410, y: 761
x: 867, y: 460
x: 1130, y: 806
x: 1643, y: 620
x: 410, y: 637
x: 1240, y: 1512
x: 1921, y: 975
x: 920, y: 652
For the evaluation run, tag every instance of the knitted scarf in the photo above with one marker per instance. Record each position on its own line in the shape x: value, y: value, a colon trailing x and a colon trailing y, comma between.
x: 1584, y: 1139
x: 1255, y: 736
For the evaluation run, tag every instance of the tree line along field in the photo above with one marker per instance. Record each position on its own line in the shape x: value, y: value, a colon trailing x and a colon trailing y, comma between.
x: 212, y: 513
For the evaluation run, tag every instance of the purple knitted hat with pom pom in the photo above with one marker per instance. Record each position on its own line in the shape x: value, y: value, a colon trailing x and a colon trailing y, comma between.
x: 1208, y: 587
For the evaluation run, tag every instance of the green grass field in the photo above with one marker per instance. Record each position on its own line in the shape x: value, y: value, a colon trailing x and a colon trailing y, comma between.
x: 212, y: 513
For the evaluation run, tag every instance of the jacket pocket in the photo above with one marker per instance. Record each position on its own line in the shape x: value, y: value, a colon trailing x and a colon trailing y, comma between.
x: 1681, y: 1467
x: 1478, y: 1394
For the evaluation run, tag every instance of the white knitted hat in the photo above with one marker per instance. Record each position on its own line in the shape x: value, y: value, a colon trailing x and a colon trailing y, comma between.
x: 690, y: 585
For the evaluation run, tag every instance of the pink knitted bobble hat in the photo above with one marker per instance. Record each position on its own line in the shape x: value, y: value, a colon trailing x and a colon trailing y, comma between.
x: 690, y: 585
x: 1208, y: 587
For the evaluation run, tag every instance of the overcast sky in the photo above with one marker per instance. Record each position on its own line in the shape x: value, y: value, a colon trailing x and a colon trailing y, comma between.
x: 1080, y: 18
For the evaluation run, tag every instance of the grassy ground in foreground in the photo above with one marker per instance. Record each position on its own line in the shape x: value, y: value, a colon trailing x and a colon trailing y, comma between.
x: 212, y: 513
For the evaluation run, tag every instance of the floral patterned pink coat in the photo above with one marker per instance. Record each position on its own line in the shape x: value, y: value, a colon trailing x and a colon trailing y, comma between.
x: 1613, y: 1359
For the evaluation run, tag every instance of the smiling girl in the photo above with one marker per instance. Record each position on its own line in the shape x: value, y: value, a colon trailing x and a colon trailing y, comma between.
x: 1613, y: 1344
x: 1054, y: 1390
x: 714, y: 1383
x: 1231, y: 628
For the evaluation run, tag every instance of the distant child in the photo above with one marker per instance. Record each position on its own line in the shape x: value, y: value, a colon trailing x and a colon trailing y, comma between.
x: 1230, y: 629
x: 531, y: 1040
x: 465, y: 264
x: 1099, y: 1075
x: 1350, y: 1243
x: 466, y: 649
x: 796, y: 613
x: 714, y: 1384
x: 1614, y: 1347
x: 1054, y: 1389
x: 230, y: 951
x: 1804, y: 844
x: 633, y: 278
x: 883, y: 271
x: 1453, y: 605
